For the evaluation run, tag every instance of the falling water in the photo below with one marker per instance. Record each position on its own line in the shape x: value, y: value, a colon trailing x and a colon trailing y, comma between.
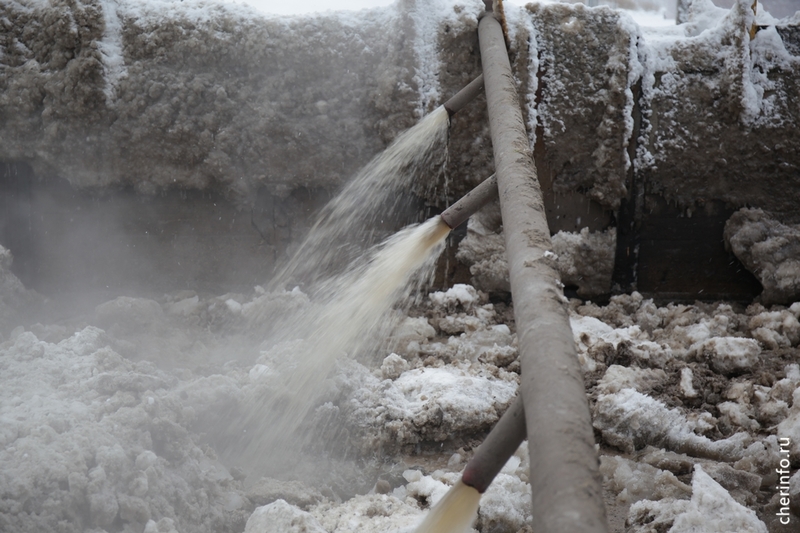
x: 353, y: 283
x: 345, y: 228
x: 353, y: 307
x: 454, y: 513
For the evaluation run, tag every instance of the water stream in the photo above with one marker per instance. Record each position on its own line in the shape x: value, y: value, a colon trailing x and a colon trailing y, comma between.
x: 352, y: 283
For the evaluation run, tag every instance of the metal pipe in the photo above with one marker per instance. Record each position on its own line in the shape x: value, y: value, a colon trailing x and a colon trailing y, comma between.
x: 456, y: 214
x: 565, y: 480
x: 459, y: 100
x: 499, y: 445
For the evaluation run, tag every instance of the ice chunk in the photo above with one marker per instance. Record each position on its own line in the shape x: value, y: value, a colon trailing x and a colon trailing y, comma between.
x: 769, y: 249
x: 632, y: 481
x: 713, y: 510
x: 630, y: 420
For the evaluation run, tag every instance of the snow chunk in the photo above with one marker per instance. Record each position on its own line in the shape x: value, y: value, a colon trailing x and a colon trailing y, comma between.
x: 281, y: 517
x: 632, y: 481
x: 729, y: 355
x: 687, y: 388
x: 710, y: 510
x: 769, y: 249
x: 458, y: 294
x: 393, y: 366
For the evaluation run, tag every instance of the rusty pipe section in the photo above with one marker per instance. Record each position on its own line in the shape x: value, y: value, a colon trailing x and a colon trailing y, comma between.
x: 565, y: 480
x: 459, y: 212
x: 499, y: 445
x: 459, y: 100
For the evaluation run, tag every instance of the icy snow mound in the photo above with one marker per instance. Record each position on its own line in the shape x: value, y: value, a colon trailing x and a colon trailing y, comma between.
x: 770, y: 250
x: 90, y: 439
x: 432, y: 404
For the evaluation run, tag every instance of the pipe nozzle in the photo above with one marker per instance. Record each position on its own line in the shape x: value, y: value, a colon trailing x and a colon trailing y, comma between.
x: 456, y: 214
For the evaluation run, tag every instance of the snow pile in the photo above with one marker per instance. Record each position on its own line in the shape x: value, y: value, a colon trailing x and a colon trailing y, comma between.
x: 92, y: 439
x: 431, y: 404
x: 281, y: 517
x: 769, y: 249
x: 443, y: 383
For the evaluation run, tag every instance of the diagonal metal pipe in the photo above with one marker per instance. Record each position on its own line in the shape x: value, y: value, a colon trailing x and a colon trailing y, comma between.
x: 459, y: 100
x: 459, y: 212
x: 499, y: 445
x: 565, y: 480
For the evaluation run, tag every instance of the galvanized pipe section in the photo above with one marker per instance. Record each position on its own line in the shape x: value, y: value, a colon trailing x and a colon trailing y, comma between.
x: 457, y: 102
x: 459, y: 212
x: 565, y: 480
x: 494, y: 452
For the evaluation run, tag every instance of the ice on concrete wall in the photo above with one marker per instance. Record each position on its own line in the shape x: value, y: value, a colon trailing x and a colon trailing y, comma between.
x: 216, y: 96
x: 707, y: 87
x: 588, y: 62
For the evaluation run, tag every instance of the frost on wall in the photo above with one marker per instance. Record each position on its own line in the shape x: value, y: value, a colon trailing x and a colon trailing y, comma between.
x: 770, y: 250
x: 587, y: 63
x: 205, y: 95
x: 716, y: 106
